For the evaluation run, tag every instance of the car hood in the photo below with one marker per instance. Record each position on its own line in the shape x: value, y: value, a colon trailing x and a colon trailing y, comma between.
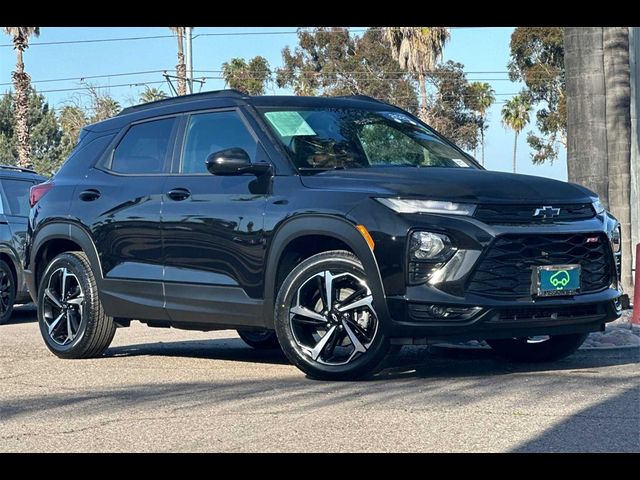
x: 452, y: 184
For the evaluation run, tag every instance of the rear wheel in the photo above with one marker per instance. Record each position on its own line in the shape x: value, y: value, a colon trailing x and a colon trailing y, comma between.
x: 72, y: 321
x: 7, y: 292
x: 325, y: 319
x: 534, y: 349
x: 260, y: 339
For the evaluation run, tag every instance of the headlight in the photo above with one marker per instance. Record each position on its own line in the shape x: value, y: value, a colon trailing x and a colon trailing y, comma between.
x: 431, y: 247
x: 616, y: 239
x: 427, y: 206
x: 598, y: 206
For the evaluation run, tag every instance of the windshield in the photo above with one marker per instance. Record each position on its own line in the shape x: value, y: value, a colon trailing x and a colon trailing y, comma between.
x: 336, y: 138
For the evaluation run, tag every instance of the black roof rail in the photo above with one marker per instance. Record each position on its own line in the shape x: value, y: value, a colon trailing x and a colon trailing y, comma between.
x: 361, y: 97
x: 182, y: 98
x: 17, y: 169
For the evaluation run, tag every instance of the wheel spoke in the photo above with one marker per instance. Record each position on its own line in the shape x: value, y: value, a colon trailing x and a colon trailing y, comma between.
x: 317, y: 350
x: 363, y: 302
x: 309, y: 314
x: 76, y: 301
x: 49, y: 294
x: 353, y: 296
x: 54, y: 324
x: 63, y: 290
x: 357, y: 328
x: 69, y: 331
x: 328, y: 289
x: 359, y: 347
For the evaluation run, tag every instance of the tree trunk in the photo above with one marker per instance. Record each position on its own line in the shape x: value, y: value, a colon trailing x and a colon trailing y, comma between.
x: 422, y: 82
x: 181, y: 68
x: 21, y: 86
x: 482, y: 142
x: 586, y: 109
x: 515, y: 148
x: 618, y: 104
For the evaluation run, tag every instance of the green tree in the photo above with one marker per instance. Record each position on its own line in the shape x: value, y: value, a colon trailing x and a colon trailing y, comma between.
x: 250, y: 77
x: 72, y: 120
x: 329, y: 61
x: 181, y: 68
x: 480, y: 98
x: 417, y: 50
x: 515, y: 115
x: 21, y: 83
x: 537, y: 59
x: 450, y: 110
x: 45, y: 133
x: 152, y: 94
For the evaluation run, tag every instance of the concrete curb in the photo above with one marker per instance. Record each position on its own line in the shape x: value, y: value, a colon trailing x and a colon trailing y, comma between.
x: 450, y: 346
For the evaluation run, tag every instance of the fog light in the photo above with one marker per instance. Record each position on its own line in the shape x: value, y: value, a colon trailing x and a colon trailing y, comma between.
x: 420, y: 311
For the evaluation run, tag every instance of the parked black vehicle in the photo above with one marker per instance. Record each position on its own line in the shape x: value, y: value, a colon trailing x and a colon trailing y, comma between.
x: 332, y: 226
x: 15, y: 183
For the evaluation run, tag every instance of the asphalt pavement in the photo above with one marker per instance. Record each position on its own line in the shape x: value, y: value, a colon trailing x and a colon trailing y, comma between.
x: 169, y: 390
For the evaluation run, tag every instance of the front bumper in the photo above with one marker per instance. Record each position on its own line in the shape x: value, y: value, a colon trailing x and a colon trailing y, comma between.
x: 581, y: 314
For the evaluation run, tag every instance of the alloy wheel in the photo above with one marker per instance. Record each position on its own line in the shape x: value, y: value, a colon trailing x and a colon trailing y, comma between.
x: 5, y: 291
x: 332, y: 318
x: 63, y: 306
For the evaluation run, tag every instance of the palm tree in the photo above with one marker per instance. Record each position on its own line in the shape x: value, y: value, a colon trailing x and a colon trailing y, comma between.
x: 482, y: 97
x: 21, y: 82
x: 417, y: 49
x: 181, y: 68
x: 515, y: 115
x: 152, y: 94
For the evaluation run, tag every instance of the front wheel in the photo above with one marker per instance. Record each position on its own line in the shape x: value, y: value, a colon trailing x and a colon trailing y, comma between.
x: 325, y: 319
x: 547, y: 349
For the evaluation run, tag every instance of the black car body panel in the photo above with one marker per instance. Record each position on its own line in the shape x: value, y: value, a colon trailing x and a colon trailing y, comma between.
x: 15, y: 183
x: 200, y: 251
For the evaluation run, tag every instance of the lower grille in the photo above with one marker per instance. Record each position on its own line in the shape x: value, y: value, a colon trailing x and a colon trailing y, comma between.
x: 506, y: 268
x: 548, y: 313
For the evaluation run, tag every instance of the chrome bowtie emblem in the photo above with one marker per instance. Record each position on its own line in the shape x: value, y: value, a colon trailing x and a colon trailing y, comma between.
x: 546, y: 212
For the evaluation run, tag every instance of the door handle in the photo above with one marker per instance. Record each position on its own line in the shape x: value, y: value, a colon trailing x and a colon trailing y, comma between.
x: 89, y: 195
x: 178, y: 194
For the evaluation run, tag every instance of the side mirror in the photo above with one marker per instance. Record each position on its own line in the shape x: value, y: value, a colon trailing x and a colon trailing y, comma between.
x: 234, y: 161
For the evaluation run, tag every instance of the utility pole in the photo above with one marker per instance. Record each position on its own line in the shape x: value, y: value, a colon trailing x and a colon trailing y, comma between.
x: 189, y: 54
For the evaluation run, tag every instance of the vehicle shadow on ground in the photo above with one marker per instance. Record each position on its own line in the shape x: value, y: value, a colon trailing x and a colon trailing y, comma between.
x: 26, y: 313
x: 411, y: 362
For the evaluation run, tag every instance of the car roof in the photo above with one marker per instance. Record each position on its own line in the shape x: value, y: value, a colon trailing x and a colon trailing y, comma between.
x: 229, y: 98
x: 12, y: 171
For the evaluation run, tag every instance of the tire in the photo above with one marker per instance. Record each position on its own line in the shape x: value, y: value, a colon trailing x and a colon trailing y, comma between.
x: 524, y: 350
x: 303, y: 322
x: 260, y: 339
x: 7, y: 292
x: 82, y: 329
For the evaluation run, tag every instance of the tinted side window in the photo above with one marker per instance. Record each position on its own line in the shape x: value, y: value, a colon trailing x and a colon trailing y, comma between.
x: 144, y: 148
x: 208, y: 133
x: 15, y: 196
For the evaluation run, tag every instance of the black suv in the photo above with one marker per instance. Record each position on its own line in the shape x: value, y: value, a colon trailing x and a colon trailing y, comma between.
x: 15, y: 183
x: 335, y: 227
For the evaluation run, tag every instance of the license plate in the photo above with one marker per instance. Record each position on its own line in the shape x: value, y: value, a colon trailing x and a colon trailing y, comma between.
x: 557, y: 280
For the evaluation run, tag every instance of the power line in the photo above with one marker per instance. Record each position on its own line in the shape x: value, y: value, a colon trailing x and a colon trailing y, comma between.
x: 86, y: 77
x: 214, y: 34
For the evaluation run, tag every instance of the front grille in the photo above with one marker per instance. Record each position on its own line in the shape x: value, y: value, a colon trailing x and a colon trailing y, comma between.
x: 547, y: 313
x: 514, y: 214
x: 506, y: 269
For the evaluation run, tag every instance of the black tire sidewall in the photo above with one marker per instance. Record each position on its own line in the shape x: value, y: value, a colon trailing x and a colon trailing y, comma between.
x: 81, y: 343
x: 4, y: 266
x: 361, y: 367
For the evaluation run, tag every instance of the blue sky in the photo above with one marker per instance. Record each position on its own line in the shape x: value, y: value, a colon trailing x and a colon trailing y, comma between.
x: 483, y: 51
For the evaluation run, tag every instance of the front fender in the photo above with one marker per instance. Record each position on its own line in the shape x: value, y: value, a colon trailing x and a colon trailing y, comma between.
x: 327, y: 225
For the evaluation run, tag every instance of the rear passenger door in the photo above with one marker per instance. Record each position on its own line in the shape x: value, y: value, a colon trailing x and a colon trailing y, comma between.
x: 120, y: 201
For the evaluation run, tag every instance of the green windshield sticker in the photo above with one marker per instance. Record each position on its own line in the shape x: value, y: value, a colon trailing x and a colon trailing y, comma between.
x: 289, y: 124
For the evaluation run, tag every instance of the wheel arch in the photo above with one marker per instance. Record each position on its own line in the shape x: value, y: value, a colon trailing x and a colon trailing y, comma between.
x: 342, y: 232
x: 59, y: 237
